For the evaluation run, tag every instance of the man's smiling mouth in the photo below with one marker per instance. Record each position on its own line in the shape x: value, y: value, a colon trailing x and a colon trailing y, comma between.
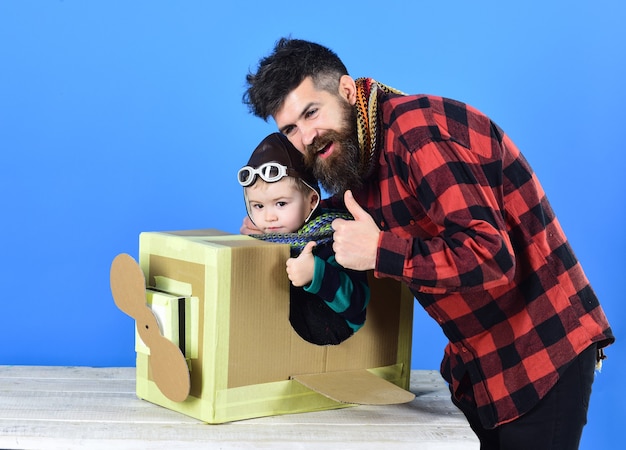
x: 325, y: 151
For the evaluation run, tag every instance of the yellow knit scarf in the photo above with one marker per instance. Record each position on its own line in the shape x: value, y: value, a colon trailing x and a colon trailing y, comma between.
x: 368, y: 121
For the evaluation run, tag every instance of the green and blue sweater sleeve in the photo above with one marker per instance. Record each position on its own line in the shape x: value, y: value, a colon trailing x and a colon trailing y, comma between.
x: 345, y: 291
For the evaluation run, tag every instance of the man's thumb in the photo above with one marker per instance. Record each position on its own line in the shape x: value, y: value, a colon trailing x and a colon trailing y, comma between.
x: 353, y: 207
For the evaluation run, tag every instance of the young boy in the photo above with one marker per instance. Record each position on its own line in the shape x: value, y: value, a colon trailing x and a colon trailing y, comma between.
x: 282, y: 198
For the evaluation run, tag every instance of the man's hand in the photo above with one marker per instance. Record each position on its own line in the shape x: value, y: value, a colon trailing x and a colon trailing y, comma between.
x: 300, y: 269
x: 247, y: 227
x: 355, y: 242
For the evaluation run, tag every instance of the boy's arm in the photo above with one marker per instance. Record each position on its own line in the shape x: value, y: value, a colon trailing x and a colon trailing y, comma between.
x: 345, y: 291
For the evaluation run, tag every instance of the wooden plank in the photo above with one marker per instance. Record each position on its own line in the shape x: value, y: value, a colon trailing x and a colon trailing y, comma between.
x: 80, y: 407
x: 64, y: 372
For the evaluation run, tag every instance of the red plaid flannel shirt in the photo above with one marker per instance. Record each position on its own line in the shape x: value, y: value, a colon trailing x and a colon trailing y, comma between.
x: 468, y: 227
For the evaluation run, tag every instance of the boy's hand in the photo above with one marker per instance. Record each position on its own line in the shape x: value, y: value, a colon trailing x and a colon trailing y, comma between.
x: 300, y: 269
x: 247, y: 227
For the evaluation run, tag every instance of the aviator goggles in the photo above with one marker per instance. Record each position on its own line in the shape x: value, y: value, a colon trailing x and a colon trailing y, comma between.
x: 269, y: 172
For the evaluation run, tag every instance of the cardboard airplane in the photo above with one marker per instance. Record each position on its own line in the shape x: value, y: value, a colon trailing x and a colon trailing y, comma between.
x: 214, y: 342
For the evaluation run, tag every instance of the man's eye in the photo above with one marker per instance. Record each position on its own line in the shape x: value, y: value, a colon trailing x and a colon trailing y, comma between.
x: 310, y: 113
x: 289, y: 130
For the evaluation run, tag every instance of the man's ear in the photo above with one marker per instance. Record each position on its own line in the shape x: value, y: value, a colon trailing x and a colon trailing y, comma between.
x: 347, y: 88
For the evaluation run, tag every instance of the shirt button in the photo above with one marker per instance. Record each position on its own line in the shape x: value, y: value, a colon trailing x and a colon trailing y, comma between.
x: 412, y: 222
x: 382, y: 223
x: 464, y: 349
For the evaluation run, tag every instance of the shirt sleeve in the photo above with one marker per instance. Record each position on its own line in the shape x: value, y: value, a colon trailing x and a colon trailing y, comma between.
x: 345, y: 291
x: 456, y: 236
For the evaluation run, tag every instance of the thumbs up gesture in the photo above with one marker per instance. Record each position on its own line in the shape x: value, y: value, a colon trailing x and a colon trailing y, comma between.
x: 355, y: 242
x: 300, y: 269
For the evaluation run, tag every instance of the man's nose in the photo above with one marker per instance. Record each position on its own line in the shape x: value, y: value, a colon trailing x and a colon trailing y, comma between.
x: 308, y: 135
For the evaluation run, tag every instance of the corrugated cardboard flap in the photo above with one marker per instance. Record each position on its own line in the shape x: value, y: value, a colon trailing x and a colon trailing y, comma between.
x: 355, y: 387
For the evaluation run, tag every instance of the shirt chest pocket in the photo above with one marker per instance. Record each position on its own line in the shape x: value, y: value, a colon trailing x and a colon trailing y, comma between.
x: 405, y: 218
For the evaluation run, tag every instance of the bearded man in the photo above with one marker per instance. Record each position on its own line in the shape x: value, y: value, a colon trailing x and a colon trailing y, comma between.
x: 445, y: 202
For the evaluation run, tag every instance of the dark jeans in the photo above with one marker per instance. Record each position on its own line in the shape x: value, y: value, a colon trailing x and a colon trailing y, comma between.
x: 556, y: 423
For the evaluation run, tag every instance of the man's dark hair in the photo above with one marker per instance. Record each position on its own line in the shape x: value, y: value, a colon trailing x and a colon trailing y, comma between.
x: 282, y: 71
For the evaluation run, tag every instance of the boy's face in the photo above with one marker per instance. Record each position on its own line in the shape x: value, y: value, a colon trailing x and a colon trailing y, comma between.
x: 279, y: 207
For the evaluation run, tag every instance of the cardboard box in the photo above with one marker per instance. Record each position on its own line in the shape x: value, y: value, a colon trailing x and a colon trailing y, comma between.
x: 225, y: 301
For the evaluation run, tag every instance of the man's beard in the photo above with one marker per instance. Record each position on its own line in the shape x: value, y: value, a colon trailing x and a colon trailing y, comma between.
x: 340, y: 171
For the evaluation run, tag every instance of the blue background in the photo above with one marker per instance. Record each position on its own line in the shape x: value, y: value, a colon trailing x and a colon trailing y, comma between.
x: 118, y: 117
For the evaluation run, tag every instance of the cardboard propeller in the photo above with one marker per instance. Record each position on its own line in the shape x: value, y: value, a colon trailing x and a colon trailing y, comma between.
x: 168, y: 365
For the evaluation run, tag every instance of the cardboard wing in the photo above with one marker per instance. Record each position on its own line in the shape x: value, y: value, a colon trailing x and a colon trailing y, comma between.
x: 223, y: 303
x: 355, y: 386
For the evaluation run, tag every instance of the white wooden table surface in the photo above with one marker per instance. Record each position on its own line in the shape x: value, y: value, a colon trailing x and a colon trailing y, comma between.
x: 96, y: 408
